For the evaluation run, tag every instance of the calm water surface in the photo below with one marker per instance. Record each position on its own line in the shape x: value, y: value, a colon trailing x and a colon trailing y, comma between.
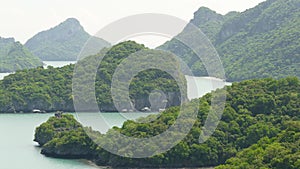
x: 18, y: 151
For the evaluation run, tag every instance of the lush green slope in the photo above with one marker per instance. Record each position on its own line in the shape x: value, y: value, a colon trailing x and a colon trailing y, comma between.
x: 259, y: 128
x: 51, y: 89
x: 280, y: 152
x: 63, y: 42
x: 260, y: 42
x: 74, y: 147
x: 14, y: 56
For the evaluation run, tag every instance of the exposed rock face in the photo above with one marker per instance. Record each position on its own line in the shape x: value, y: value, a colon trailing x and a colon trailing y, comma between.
x: 42, y: 105
x: 71, y: 152
x: 173, y: 99
x: 63, y: 42
x: 208, y: 21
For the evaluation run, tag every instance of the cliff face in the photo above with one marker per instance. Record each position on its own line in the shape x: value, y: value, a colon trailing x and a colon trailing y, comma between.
x: 173, y: 99
x: 208, y: 21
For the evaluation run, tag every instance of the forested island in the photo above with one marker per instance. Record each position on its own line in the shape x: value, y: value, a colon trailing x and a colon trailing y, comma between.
x: 258, y: 43
x: 50, y: 89
x: 260, y: 128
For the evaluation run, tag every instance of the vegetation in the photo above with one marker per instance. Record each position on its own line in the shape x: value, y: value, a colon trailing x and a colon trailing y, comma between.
x: 259, y: 129
x: 51, y: 89
x: 64, y: 133
x: 258, y: 43
x: 14, y: 56
x: 64, y: 42
x: 280, y: 152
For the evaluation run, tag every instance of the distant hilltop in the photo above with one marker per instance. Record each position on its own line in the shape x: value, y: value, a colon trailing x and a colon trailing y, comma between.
x: 260, y: 42
x: 14, y: 56
x: 63, y: 42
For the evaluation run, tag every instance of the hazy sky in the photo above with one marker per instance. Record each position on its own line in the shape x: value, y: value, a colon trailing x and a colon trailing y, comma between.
x: 22, y: 19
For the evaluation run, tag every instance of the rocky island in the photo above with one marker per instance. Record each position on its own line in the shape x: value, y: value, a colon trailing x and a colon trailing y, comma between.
x: 74, y: 144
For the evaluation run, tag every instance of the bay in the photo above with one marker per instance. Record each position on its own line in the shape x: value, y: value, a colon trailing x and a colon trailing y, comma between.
x: 19, y: 151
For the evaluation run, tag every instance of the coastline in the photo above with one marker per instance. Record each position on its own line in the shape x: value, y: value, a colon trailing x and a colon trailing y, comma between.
x: 91, y: 163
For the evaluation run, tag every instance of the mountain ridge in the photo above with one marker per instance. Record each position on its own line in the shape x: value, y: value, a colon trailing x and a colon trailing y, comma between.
x: 14, y: 56
x: 63, y: 42
x: 260, y: 42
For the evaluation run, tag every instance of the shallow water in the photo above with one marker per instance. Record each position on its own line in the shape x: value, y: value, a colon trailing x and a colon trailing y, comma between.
x: 18, y: 151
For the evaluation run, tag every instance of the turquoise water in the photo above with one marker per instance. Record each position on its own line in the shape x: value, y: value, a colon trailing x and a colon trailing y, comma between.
x: 18, y: 151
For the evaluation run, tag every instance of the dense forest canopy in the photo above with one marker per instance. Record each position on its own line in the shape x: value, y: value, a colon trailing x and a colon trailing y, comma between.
x: 259, y: 129
x: 260, y: 125
x: 258, y: 43
x: 51, y: 89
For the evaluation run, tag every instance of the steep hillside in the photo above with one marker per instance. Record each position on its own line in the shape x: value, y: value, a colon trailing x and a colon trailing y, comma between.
x: 63, y: 42
x: 14, y: 56
x: 261, y: 42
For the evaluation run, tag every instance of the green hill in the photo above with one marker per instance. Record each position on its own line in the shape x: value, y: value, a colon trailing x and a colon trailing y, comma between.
x: 51, y: 89
x: 14, y: 56
x: 260, y: 128
x: 260, y: 42
x: 63, y: 42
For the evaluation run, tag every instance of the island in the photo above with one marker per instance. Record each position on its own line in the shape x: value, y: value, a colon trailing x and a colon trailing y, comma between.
x: 50, y: 89
x: 260, y: 128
